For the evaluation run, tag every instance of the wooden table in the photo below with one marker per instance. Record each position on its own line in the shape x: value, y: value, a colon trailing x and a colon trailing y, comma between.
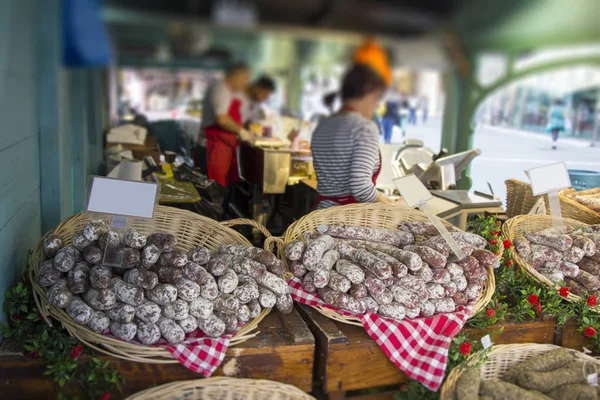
x: 283, y: 351
x: 347, y: 359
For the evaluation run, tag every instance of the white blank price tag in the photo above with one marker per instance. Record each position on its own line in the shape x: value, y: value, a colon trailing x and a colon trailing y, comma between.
x: 412, y: 190
x: 593, y: 379
x: 486, y: 342
x: 119, y: 197
x: 552, y: 177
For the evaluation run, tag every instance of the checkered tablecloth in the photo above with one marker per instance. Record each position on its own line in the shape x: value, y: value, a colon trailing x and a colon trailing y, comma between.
x: 419, y: 347
x: 199, y: 353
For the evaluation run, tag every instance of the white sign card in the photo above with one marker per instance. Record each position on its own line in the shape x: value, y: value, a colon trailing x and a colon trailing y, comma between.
x: 415, y: 194
x: 486, y: 342
x: 121, y: 197
x: 548, y: 178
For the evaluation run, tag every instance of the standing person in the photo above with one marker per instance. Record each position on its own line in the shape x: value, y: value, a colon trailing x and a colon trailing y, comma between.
x: 556, y: 121
x: 425, y: 108
x: 345, y: 146
x: 222, y: 124
x: 390, y: 118
x: 254, y: 96
x: 412, y: 110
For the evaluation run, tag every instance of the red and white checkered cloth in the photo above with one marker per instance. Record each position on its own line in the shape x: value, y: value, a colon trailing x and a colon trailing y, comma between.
x: 419, y: 347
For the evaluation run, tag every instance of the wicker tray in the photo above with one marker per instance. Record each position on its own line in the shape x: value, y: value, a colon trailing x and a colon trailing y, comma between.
x: 520, y: 200
x: 516, y: 226
x: 192, y: 230
x: 499, y: 359
x: 372, y: 215
x: 222, y: 388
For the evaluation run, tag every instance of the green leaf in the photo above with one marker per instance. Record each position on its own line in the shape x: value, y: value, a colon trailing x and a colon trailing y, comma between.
x: 45, y: 336
x: 23, y: 308
x: 91, y: 377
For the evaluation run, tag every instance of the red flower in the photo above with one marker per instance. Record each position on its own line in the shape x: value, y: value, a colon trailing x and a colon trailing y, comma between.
x: 533, y: 299
x: 35, y: 354
x: 507, y: 244
x: 589, y: 332
x: 465, y: 348
x: 105, y: 396
x: 493, y: 242
x: 76, y: 352
x: 18, y: 317
x: 495, y: 233
x: 564, y: 291
x: 539, y: 308
x: 592, y: 301
x: 490, y: 312
x: 509, y: 263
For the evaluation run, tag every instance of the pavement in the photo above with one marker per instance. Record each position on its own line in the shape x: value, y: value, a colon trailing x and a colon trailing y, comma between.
x: 505, y: 153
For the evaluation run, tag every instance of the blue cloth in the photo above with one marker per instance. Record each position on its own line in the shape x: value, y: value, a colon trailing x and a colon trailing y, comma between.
x: 556, y: 120
x: 85, y: 39
x: 388, y: 128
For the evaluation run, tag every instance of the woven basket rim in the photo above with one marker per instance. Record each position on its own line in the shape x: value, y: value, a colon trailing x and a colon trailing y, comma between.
x: 243, y: 386
x: 116, y: 347
x: 295, y: 231
x: 523, y: 349
x: 513, y: 228
x: 591, y: 213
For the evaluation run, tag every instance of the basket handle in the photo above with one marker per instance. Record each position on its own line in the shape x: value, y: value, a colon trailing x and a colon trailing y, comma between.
x: 273, y: 241
x: 244, y: 221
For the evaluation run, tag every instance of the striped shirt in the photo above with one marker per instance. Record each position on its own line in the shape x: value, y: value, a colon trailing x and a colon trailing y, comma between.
x: 345, y: 149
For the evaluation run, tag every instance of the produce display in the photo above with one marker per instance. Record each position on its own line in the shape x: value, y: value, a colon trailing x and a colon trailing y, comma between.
x: 588, y: 198
x: 404, y: 273
x: 555, y: 375
x: 159, y: 291
x: 566, y: 255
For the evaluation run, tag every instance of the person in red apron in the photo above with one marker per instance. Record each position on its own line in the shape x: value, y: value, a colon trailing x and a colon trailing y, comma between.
x: 222, y: 125
x: 345, y: 146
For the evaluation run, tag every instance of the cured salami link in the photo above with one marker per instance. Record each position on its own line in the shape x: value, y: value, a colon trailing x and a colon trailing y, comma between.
x: 315, y: 250
x: 428, y: 255
x: 559, y: 242
x: 523, y: 246
x: 393, y: 238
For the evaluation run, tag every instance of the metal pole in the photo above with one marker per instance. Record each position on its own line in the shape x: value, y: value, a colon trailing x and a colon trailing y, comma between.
x: 596, y: 120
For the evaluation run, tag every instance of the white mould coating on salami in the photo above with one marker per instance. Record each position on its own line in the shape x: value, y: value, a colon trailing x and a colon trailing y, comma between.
x: 253, y: 268
x: 79, y: 311
x: 461, y: 283
x: 294, y: 250
x: 254, y: 307
x: 473, y: 291
x: 385, y: 297
x: 212, y: 326
x: 427, y: 309
x: 350, y: 270
x: 399, y: 270
x: 131, y: 258
x: 127, y: 293
x: 179, y: 259
x: 231, y: 322
x: 80, y: 242
x: 52, y: 244
x: 267, y: 299
x: 166, y: 242
x: 187, y: 290
x: 454, y: 270
x: 123, y: 331
x: 48, y: 275
x: 199, y: 256
x: 298, y: 269
x: 339, y: 282
x: 243, y: 314
x: 371, y: 305
x: 78, y: 278
x: 147, y: 334
x: 228, y: 281
x: 315, y: 250
x: 320, y: 277
x: 134, y: 239
x: 194, y: 272
x: 189, y: 324
x: 148, y: 312
x: 177, y: 310
x: 64, y: 260
x: 95, y: 229
x: 150, y: 255
x: 171, y: 331
x: 444, y: 305
x: 308, y: 282
x: 358, y: 291
x: 285, y: 303
x: 93, y: 254
x: 58, y: 295
x: 163, y: 294
x: 100, y: 277
x: 425, y: 273
x: 330, y: 257
x: 273, y: 283
x: 226, y: 304
x: 142, y: 278
x: 122, y: 313
x: 208, y: 288
x: 99, y: 322
x: 100, y: 299
x: 435, y: 290
x: 356, y: 306
x: 393, y: 310
x: 450, y: 289
x: 217, y: 266
x: 394, y: 238
x: 460, y: 299
x: 441, y: 276
x: 554, y: 275
x: 246, y: 292
x: 405, y: 297
x: 110, y: 239
x: 201, y: 308
x: 413, y: 312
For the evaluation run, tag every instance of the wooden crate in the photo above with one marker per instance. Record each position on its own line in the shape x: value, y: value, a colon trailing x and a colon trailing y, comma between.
x: 347, y: 359
x: 568, y: 336
x: 283, y: 351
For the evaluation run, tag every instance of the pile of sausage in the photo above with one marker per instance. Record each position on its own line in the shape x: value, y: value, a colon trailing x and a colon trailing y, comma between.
x: 564, y: 254
x: 159, y: 291
x: 372, y: 270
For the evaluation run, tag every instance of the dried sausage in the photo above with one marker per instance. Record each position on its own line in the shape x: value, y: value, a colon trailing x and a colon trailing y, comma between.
x: 295, y: 250
x: 52, y: 244
x: 433, y: 258
x: 315, y: 250
x: 390, y: 237
x: 560, y: 242
x: 350, y: 270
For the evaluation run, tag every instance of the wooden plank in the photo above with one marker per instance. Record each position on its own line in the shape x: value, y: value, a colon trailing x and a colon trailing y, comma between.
x: 570, y: 338
x: 273, y: 354
x: 79, y: 146
x: 537, y: 331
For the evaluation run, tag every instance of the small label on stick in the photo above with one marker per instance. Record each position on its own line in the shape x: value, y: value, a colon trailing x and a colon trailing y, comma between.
x: 593, y: 379
x: 486, y: 342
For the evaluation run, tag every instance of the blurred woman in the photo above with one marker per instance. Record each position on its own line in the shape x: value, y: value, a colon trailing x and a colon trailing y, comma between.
x: 556, y: 121
x: 345, y: 146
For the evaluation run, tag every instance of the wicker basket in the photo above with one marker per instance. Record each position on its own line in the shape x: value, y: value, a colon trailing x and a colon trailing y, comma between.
x: 520, y: 200
x: 223, y: 388
x: 373, y: 215
x: 499, y: 359
x: 517, y: 226
x: 191, y: 230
